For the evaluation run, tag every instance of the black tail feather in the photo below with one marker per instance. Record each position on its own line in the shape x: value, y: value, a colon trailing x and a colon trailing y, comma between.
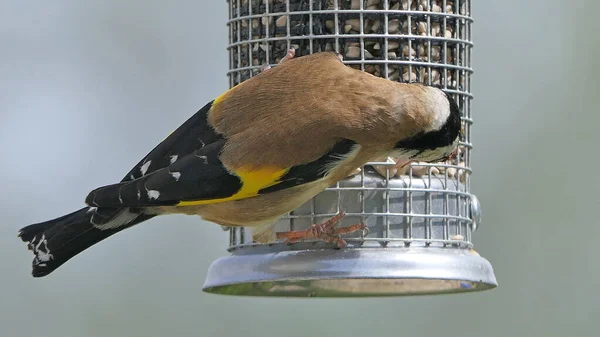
x: 54, y: 242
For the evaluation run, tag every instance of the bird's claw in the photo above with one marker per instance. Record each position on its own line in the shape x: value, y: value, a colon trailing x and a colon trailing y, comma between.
x: 288, y: 56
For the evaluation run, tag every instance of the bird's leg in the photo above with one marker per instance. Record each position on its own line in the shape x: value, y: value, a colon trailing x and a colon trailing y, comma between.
x: 290, y: 55
x: 326, y: 231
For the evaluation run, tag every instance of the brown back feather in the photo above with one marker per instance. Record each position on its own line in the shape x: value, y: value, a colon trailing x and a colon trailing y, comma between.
x: 294, y: 113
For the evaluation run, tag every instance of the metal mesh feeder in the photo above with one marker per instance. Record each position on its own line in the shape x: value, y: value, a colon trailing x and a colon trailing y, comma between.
x: 420, y: 222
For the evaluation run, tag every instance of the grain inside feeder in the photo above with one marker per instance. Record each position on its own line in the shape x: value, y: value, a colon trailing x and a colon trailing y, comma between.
x: 420, y: 220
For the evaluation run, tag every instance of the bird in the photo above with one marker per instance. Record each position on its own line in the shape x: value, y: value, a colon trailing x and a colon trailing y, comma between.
x: 260, y: 150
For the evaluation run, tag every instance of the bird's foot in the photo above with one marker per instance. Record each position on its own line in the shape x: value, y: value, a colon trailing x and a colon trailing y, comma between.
x: 326, y: 231
x: 290, y: 55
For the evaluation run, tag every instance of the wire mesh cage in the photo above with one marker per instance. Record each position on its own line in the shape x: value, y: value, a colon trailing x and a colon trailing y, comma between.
x: 420, y: 221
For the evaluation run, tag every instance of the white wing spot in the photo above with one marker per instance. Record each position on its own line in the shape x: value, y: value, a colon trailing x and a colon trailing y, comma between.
x: 139, y: 195
x: 204, y: 158
x: 92, y: 209
x: 42, y: 254
x: 202, y: 143
x: 145, y: 167
x: 153, y: 194
x: 174, y: 158
x: 121, y: 219
x: 132, y: 177
x: 176, y: 175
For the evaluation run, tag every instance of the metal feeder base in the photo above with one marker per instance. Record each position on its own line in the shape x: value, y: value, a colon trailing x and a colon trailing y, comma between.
x: 358, y: 272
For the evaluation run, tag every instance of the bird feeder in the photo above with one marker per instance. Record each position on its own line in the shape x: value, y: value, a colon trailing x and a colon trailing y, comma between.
x: 420, y: 221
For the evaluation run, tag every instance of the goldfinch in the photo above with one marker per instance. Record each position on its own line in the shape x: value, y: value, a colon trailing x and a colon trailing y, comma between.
x: 260, y: 150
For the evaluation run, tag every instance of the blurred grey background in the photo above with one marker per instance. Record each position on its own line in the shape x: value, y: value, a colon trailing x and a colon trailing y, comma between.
x: 89, y: 87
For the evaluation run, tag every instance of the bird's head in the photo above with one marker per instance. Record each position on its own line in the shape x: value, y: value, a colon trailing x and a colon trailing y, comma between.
x: 438, y: 137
